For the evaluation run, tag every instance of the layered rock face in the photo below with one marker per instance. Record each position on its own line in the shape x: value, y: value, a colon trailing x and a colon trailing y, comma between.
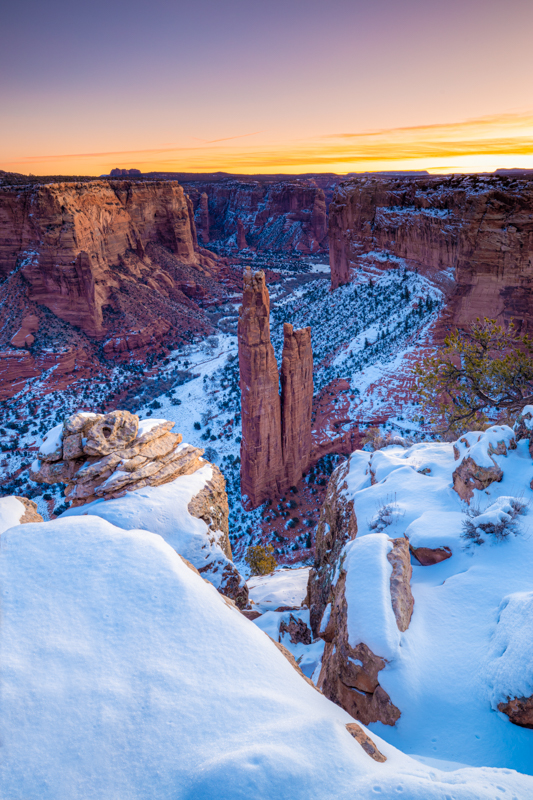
x: 109, y: 457
x: 479, y: 227
x: 276, y: 431
x: 99, y: 270
x: 284, y: 216
x: 68, y: 240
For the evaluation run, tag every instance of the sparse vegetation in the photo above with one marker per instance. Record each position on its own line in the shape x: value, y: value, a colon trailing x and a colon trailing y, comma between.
x: 497, y: 523
x: 261, y: 559
x: 479, y: 372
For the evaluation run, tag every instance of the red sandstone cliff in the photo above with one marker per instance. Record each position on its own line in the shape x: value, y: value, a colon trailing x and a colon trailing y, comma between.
x: 69, y: 239
x: 276, y: 432
x: 83, y: 263
x: 481, y: 228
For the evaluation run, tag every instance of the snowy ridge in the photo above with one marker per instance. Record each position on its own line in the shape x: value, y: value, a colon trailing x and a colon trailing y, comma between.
x: 142, y: 683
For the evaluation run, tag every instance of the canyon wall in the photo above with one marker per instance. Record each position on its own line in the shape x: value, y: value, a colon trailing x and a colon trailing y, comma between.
x: 287, y: 216
x: 99, y: 269
x: 68, y: 240
x: 276, y: 430
x: 477, y: 228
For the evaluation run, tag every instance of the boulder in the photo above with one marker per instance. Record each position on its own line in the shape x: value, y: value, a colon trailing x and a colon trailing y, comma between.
x: 519, y: 710
x: 478, y: 469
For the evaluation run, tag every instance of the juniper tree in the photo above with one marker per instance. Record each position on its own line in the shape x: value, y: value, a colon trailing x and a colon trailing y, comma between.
x: 478, y: 372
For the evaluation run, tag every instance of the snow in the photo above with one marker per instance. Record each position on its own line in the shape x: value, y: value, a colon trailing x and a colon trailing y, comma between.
x: 439, y: 677
x: 284, y: 587
x: 479, y: 446
x: 164, y: 510
x: 125, y: 675
x: 510, y: 659
x: 370, y: 615
x: 146, y: 425
x: 53, y: 441
x: 11, y: 510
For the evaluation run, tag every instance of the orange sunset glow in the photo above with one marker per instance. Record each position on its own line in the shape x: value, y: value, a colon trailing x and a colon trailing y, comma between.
x: 256, y: 88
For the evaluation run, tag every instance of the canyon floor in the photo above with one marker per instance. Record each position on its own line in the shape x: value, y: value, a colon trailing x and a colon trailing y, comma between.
x: 366, y: 337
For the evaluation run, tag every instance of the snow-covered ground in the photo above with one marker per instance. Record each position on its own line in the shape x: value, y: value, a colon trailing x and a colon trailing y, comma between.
x: 125, y: 675
x: 468, y: 646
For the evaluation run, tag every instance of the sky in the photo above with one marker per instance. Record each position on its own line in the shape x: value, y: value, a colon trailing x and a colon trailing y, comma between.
x: 259, y: 86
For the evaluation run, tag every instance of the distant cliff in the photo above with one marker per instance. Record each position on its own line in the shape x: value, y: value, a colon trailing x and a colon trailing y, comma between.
x: 284, y: 216
x: 479, y: 229
x: 109, y: 262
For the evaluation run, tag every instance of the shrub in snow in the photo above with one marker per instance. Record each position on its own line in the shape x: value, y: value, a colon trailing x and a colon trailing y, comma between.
x: 261, y: 559
x: 498, y: 521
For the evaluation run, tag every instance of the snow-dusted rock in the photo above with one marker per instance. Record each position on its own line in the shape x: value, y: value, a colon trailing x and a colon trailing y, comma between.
x: 510, y: 664
x: 104, y: 455
x: 435, y: 671
x: 107, y: 460
x: 370, y: 604
x: 478, y: 469
x: 16, y: 510
x: 125, y: 675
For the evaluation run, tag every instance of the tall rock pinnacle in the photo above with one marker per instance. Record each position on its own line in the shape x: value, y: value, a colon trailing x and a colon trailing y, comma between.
x: 276, y: 431
x: 261, y: 454
x: 296, y: 401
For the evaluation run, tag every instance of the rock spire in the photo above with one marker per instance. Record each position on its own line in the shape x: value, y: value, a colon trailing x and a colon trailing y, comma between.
x: 276, y: 430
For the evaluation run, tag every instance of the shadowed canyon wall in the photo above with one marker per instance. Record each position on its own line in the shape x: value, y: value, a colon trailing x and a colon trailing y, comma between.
x: 276, y: 430
x: 478, y: 228
x: 288, y: 216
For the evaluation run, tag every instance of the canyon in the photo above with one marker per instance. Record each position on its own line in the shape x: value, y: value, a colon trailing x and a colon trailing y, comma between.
x: 471, y: 233
x: 288, y: 216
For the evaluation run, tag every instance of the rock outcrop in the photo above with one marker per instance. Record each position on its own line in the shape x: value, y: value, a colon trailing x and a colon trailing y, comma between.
x: 202, y: 225
x: 477, y: 469
x: 106, y: 457
x: 112, y: 263
x: 261, y: 449
x: 350, y: 673
x: 287, y: 216
x: 276, y: 431
x: 15, y: 510
x: 519, y: 710
x: 67, y: 238
x: 479, y: 227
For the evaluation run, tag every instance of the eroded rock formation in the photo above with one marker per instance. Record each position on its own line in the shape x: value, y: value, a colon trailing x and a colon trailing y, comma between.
x: 479, y: 227
x: 261, y: 449
x: 276, y: 431
x: 296, y: 401
x: 477, y: 468
x: 100, y: 262
x: 104, y: 457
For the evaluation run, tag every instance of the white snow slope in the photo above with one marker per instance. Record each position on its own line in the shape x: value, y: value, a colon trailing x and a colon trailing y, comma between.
x: 467, y: 647
x: 125, y: 675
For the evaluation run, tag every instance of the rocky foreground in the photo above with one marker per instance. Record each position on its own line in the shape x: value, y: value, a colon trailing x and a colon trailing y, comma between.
x: 416, y: 620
